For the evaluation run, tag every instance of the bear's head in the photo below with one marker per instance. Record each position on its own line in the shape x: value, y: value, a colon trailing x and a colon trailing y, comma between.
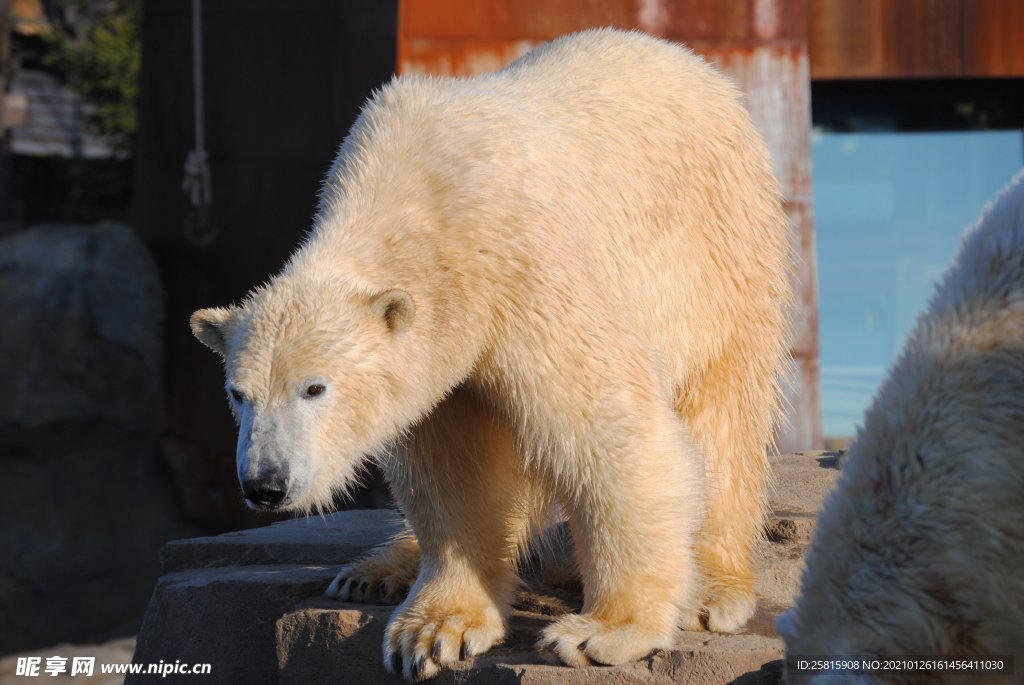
x: 317, y: 377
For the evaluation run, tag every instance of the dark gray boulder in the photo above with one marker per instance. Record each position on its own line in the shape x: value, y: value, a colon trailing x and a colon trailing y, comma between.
x: 86, y: 505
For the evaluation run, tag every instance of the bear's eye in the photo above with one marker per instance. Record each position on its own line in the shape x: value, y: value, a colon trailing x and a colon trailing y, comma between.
x: 237, y: 395
x: 314, y: 390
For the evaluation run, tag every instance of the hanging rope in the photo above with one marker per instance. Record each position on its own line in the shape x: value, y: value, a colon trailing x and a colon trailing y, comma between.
x: 198, y: 229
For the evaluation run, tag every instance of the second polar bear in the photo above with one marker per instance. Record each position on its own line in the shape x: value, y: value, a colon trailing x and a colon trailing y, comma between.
x: 560, y: 287
x: 919, y: 550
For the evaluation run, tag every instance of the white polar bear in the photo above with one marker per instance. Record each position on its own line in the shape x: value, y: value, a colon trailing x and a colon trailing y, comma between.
x: 919, y: 550
x: 561, y: 287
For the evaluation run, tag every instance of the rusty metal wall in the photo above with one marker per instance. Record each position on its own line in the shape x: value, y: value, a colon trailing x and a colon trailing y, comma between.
x: 763, y: 44
x: 916, y: 38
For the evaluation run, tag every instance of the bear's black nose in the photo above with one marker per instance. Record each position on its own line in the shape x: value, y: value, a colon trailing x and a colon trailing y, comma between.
x: 266, y: 491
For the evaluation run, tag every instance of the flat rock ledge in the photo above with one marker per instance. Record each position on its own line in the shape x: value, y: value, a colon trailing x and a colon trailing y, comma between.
x: 251, y: 604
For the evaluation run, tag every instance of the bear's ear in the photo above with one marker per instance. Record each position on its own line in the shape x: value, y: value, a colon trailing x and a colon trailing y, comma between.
x: 396, y: 309
x: 213, y: 327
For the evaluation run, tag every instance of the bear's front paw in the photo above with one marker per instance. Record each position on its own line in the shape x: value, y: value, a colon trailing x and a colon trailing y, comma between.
x: 384, y: 577
x: 351, y: 586
x: 376, y: 585
x: 582, y: 639
x: 420, y: 641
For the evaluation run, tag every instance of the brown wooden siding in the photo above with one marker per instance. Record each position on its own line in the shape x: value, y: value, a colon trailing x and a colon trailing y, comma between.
x: 993, y: 38
x: 284, y: 81
x: 916, y: 38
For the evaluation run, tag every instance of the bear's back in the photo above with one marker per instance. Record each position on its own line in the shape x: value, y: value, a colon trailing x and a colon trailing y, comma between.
x: 645, y: 153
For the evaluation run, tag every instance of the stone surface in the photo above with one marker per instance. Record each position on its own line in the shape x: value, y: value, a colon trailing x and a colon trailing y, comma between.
x: 251, y: 604
x: 85, y: 507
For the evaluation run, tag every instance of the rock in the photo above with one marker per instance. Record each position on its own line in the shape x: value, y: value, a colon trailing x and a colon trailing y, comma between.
x: 86, y: 508
x: 317, y: 640
x: 251, y: 604
x: 83, y: 314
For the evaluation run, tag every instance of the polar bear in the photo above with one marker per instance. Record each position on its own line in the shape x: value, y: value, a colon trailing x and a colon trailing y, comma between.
x: 557, y: 290
x: 919, y: 549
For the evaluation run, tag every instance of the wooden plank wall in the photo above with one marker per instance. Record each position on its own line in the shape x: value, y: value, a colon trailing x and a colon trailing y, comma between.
x: 916, y: 38
x: 284, y: 82
x: 763, y: 44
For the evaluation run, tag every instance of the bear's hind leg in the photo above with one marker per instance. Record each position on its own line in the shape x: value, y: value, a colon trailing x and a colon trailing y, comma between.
x: 383, y: 576
x: 462, y: 489
x: 635, y: 501
x: 732, y: 412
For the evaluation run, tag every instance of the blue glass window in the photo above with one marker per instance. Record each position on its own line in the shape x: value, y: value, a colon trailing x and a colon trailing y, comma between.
x: 890, y: 207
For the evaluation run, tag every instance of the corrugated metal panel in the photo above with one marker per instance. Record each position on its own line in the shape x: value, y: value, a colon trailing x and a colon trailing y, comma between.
x: 508, y: 19
x: 994, y: 38
x: 459, y: 57
x: 54, y: 120
x: 762, y: 43
x: 544, y: 19
x: 916, y: 38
